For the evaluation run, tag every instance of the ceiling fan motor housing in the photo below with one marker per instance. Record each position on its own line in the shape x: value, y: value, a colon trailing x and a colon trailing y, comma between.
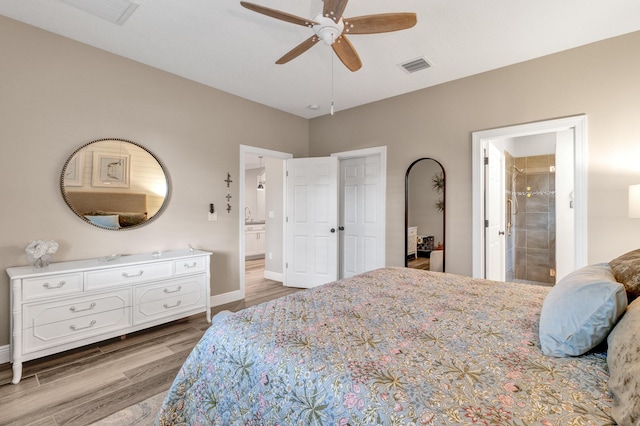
x: 327, y: 29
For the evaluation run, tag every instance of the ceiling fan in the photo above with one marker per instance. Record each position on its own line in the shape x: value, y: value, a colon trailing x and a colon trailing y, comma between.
x: 331, y: 27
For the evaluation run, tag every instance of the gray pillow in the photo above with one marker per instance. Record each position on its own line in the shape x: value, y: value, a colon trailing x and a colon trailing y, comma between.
x: 623, y: 359
x: 580, y: 311
x: 626, y: 269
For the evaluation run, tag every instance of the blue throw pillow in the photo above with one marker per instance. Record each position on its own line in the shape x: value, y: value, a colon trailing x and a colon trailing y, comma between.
x: 580, y: 311
x: 110, y: 221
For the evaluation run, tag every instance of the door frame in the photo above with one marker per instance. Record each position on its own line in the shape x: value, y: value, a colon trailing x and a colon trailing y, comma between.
x: 480, y: 138
x: 244, y: 149
x: 240, y: 293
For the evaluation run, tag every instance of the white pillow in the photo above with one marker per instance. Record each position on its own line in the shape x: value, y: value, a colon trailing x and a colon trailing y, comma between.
x: 580, y: 311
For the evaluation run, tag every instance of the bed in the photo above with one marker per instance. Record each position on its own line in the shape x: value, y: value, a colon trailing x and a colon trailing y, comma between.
x: 392, y: 346
x: 109, y: 209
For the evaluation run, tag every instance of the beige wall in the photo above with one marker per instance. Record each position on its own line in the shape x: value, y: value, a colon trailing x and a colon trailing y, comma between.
x: 600, y: 80
x: 56, y: 94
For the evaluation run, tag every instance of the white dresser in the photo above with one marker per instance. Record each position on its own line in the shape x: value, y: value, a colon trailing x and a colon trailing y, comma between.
x: 71, y: 304
x: 412, y: 241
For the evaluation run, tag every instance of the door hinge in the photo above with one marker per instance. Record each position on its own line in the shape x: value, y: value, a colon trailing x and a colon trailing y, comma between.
x: 287, y: 173
x: 486, y: 161
x: 486, y: 223
x: 286, y: 265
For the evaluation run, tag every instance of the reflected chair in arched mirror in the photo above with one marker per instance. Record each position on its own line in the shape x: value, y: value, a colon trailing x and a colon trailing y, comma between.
x: 424, y: 215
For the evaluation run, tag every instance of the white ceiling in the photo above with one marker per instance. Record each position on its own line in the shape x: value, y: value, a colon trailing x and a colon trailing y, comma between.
x: 223, y: 45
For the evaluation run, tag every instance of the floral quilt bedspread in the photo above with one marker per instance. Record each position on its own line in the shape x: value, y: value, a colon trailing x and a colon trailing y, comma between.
x: 394, y: 346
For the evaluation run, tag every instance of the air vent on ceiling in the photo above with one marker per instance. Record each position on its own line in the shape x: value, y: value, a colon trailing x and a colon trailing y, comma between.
x: 116, y: 11
x: 415, y: 65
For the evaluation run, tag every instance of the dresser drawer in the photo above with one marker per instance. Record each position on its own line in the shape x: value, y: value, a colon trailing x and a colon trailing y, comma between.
x: 70, y: 330
x: 168, y: 289
x: 159, y: 301
x: 189, y: 266
x: 36, y: 315
x: 126, y: 275
x: 51, y: 286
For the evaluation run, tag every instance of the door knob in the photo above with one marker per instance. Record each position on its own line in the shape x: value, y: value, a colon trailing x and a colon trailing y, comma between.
x: 341, y: 228
x: 333, y: 230
x: 500, y: 232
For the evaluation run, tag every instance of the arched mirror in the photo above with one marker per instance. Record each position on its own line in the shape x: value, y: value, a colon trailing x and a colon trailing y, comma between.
x: 424, y: 215
x: 115, y: 184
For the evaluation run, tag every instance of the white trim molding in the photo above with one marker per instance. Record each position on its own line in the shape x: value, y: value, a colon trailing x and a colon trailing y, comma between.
x: 224, y: 298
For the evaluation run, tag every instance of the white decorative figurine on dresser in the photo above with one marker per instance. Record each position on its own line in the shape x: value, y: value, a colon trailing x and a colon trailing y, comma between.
x: 71, y: 304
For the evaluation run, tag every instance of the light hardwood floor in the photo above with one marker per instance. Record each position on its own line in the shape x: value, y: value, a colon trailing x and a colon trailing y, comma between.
x: 81, y: 386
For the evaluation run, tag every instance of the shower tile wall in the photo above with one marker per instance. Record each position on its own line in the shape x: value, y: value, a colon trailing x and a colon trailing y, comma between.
x: 535, y: 219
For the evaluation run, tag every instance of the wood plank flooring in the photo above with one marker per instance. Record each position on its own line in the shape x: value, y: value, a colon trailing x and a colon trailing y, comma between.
x: 419, y: 263
x: 84, y: 385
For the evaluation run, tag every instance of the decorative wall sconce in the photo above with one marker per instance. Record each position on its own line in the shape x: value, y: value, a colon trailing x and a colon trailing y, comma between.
x: 634, y: 201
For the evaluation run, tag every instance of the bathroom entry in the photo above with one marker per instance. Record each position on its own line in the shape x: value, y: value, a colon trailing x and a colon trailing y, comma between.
x: 521, y: 238
x: 529, y: 201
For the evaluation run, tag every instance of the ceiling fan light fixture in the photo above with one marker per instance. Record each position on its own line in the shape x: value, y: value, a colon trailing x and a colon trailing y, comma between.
x: 327, y: 29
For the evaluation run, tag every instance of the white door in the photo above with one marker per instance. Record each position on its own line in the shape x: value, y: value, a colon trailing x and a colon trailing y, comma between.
x: 312, y: 222
x: 361, y: 209
x: 564, y: 204
x: 495, y: 239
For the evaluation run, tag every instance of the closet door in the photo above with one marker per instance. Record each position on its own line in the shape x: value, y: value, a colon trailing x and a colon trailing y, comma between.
x: 361, y: 209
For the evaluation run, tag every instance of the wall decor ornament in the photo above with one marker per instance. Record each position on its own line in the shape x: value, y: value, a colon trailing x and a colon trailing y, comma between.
x: 39, y: 252
x: 438, y: 182
x: 110, y: 170
x: 74, y: 170
x: 228, y: 181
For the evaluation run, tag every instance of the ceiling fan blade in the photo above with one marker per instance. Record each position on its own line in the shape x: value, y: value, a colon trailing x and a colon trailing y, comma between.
x: 283, y: 16
x: 347, y: 54
x: 298, y: 50
x: 334, y: 9
x: 381, y: 23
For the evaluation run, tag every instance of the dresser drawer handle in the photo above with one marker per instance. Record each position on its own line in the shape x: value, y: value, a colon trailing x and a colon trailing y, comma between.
x: 126, y: 275
x: 52, y: 287
x: 166, y: 290
x: 167, y: 306
x: 75, y: 310
x: 187, y: 266
x: 74, y: 328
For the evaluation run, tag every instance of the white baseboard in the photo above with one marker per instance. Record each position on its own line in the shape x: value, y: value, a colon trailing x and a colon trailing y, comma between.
x: 276, y: 276
x: 5, y: 354
x: 221, y: 299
